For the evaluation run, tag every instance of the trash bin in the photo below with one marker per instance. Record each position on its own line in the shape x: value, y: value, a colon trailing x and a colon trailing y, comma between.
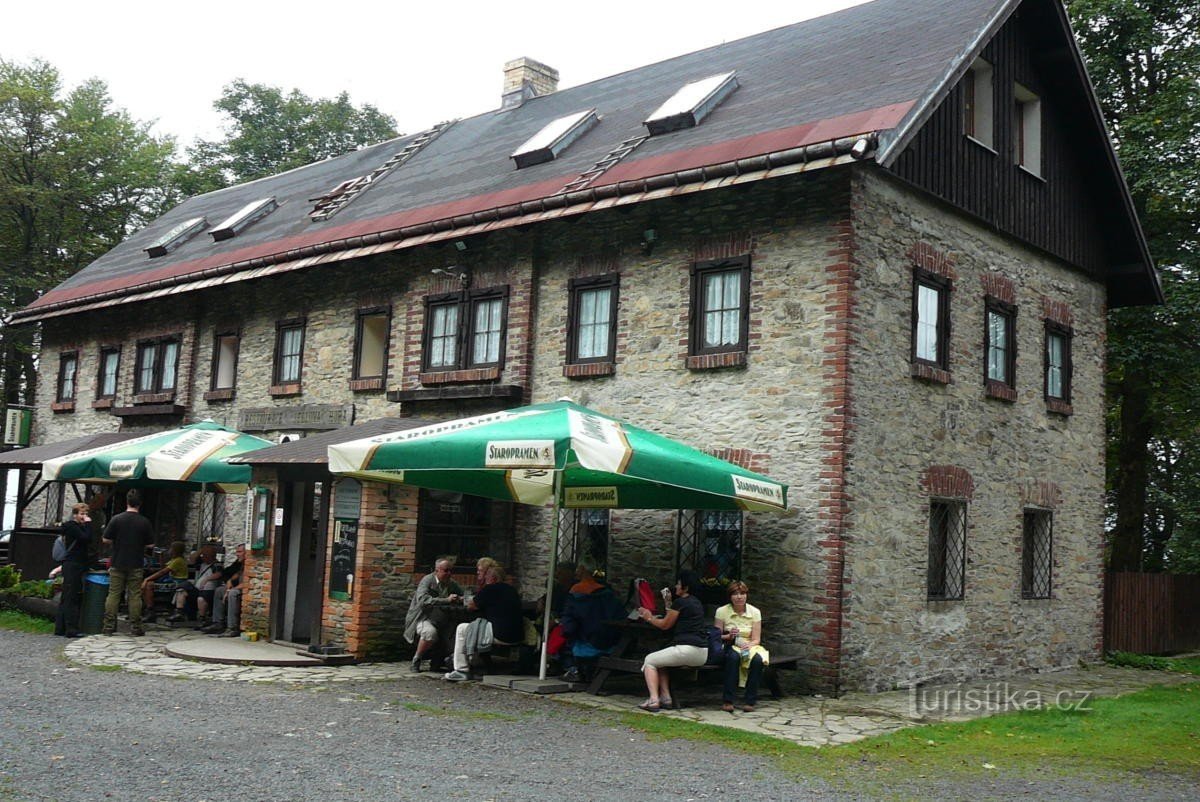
x: 91, y: 612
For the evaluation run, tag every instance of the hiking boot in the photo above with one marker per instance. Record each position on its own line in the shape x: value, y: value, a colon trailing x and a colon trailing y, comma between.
x: 416, y: 664
x: 456, y: 676
x: 572, y: 675
x: 213, y: 629
x: 175, y: 618
x: 230, y: 633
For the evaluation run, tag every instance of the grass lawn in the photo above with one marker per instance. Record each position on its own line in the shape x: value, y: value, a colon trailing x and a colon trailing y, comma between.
x: 1157, y: 730
x: 23, y: 622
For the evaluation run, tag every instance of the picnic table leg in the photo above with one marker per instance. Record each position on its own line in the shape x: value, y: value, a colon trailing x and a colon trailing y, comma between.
x: 601, y: 674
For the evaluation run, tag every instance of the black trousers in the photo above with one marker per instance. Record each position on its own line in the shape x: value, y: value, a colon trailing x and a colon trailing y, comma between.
x: 66, y: 622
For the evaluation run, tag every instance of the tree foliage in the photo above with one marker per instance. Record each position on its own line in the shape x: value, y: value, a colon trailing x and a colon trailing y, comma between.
x: 1144, y: 59
x: 269, y: 132
x: 77, y: 175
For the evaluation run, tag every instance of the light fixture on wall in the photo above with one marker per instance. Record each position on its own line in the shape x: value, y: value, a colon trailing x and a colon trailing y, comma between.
x: 461, y: 273
x: 649, y: 238
x: 460, y: 244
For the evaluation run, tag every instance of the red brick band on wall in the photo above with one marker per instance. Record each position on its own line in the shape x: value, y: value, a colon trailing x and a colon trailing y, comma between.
x: 727, y: 247
x: 1036, y: 493
x: 999, y: 287
x: 841, y: 275
x: 927, y: 257
x: 948, y: 481
x: 757, y: 461
x: 1057, y: 312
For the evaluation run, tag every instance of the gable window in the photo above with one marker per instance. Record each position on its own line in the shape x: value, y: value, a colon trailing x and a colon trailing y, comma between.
x: 1037, y: 552
x: 465, y: 330
x: 108, y: 369
x: 946, y: 574
x: 592, y: 320
x: 371, y: 332
x: 1058, y: 363
x: 157, y: 363
x: 465, y: 527
x: 1000, y: 342
x: 1027, y: 129
x: 978, y: 104
x: 720, y: 306
x: 225, y: 358
x: 710, y: 540
x: 68, y: 363
x: 931, y: 319
x: 289, y: 351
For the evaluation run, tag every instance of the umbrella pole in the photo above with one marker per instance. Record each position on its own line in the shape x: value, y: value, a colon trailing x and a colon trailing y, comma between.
x: 550, y: 576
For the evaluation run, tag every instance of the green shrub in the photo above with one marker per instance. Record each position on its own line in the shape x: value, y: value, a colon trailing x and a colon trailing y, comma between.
x: 1143, y: 661
x: 9, y: 576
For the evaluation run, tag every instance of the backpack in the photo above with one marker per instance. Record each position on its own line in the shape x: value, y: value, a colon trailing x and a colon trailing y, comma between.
x: 60, y: 551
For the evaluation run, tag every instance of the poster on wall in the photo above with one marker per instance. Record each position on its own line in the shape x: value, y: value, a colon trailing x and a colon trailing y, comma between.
x: 345, y: 549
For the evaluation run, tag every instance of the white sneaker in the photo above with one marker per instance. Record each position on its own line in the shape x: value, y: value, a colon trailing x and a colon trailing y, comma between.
x: 455, y: 676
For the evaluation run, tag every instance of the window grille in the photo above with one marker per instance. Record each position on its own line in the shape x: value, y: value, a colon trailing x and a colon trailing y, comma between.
x: 1037, y: 551
x: 463, y: 526
x: 710, y: 541
x: 947, y: 550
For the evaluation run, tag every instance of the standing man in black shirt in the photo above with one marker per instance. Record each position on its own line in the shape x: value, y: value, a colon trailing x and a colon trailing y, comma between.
x: 130, y: 534
x: 77, y: 534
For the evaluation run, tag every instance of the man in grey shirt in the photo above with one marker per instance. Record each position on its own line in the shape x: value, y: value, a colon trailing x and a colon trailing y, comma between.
x: 426, y: 612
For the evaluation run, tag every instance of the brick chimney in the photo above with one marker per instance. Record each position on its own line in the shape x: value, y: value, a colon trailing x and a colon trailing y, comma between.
x: 525, y: 78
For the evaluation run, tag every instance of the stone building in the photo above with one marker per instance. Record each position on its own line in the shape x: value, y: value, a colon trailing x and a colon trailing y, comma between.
x: 869, y: 254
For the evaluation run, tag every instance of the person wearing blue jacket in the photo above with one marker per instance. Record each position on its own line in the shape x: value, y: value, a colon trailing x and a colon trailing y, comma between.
x: 589, y: 606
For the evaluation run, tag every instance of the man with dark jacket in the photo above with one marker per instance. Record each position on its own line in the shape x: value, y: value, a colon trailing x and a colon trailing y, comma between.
x: 130, y: 534
x: 77, y: 535
x: 589, y: 607
x: 500, y: 604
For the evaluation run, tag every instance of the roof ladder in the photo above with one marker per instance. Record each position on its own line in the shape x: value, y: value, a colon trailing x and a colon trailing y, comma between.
x: 342, y: 195
x: 601, y: 167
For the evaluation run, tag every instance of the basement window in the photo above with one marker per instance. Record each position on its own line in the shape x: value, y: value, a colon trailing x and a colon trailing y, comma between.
x: 1027, y: 129
x: 554, y: 138
x: 176, y: 237
x: 691, y: 104
x: 978, y: 104
x: 243, y: 218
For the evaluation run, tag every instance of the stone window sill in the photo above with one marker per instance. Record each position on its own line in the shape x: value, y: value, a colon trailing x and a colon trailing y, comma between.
x: 730, y: 359
x: 1000, y: 391
x: 286, y: 389
x: 154, y: 398
x: 225, y: 394
x: 63, y: 406
x: 102, y: 403
x: 587, y: 370
x: 461, y: 376
x: 929, y: 373
x: 1059, y: 406
x: 366, y: 385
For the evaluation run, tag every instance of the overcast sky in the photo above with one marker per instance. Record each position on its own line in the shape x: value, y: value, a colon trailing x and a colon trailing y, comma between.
x: 419, y: 62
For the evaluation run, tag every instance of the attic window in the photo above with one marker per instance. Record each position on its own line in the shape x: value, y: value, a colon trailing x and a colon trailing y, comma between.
x: 1027, y: 129
x: 176, y: 237
x: 554, y: 138
x: 691, y: 104
x: 324, y: 205
x: 255, y: 210
x: 978, y: 117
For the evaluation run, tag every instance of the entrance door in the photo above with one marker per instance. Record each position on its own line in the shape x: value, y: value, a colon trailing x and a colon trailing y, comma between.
x: 299, y: 602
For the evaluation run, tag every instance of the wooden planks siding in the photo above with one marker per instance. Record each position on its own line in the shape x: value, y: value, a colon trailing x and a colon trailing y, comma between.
x: 1151, y: 613
x: 1057, y: 212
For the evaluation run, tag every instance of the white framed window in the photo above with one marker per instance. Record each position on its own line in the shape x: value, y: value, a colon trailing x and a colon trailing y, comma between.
x: 1027, y: 129
x: 979, y: 104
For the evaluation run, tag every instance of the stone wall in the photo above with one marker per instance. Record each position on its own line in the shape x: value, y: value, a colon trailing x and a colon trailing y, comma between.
x: 914, y: 438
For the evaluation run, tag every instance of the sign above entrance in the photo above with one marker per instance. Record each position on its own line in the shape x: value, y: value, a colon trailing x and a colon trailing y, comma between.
x: 347, y: 498
x: 304, y: 417
x: 16, y: 426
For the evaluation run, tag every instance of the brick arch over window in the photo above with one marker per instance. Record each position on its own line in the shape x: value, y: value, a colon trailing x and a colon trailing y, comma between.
x: 1036, y: 493
x: 927, y: 257
x: 948, y: 481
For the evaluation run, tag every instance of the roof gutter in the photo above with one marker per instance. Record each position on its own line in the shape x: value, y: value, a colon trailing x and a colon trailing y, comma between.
x: 752, y: 168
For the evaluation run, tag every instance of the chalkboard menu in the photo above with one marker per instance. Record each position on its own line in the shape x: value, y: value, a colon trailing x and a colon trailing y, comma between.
x: 345, y: 548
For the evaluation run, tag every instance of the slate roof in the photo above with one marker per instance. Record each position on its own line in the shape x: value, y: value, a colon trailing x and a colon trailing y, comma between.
x: 313, y: 450
x: 32, y: 458
x: 861, y: 71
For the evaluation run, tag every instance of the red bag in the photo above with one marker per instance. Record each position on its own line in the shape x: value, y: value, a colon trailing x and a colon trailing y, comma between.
x: 556, y: 641
x: 645, y: 595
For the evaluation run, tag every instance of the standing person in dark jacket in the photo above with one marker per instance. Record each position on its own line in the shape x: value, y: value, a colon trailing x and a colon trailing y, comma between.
x: 77, y: 534
x: 129, y: 534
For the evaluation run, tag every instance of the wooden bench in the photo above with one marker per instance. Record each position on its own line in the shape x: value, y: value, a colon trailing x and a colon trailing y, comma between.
x: 606, y: 665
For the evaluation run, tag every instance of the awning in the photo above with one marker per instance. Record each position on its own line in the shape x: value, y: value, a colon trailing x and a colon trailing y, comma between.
x: 32, y: 458
x: 314, y: 449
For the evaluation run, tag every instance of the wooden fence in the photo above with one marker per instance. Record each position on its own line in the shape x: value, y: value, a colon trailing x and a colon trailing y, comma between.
x: 1151, y: 613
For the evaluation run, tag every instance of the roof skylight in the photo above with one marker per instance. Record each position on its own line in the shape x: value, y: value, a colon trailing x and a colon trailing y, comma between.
x: 176, y: 237
x: 554, y: 138
x: 255, y: 210
x: 691, y: 104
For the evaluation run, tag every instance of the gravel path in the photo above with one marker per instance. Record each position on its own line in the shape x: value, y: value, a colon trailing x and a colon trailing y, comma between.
x: 77, y: 733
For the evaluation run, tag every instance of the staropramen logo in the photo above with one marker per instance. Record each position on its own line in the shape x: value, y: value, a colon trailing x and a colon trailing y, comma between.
x: 122, y: 468
x: 519, y: 454
x: 590, y: 497
x: 758, y: 490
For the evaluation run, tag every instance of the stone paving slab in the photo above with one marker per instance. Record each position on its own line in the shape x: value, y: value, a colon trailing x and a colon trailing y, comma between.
x: 807, y: 720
